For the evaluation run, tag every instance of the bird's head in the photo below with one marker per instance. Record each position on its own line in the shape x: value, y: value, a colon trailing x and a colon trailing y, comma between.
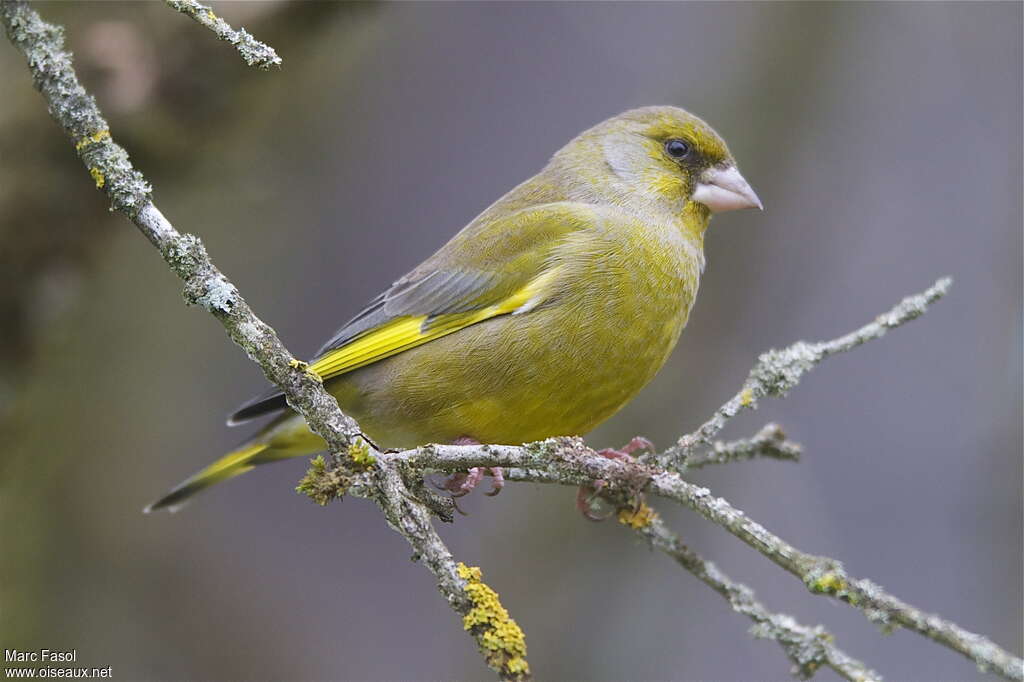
x: 663, y: 156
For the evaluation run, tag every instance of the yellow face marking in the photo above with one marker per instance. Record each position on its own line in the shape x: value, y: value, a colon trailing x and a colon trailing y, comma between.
x: 667, y: 185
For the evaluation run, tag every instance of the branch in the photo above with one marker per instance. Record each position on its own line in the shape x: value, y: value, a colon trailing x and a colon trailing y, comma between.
x: 777, y: 371
x: 255, y: 53
x: 808, y: 648
x: 769, y: 442
x: 826, y: 576
x: 568, y: 461
x: 70, y: 105
x: 498, y: 637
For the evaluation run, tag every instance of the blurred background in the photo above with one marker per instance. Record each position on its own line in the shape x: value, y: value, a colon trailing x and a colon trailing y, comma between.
x: 885, y: 141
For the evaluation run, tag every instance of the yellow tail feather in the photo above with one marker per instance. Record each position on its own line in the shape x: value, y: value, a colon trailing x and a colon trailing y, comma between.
x: 228, y: 466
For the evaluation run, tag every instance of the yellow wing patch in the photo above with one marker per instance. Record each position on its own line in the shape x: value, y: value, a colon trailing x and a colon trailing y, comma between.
x: 403, y: 333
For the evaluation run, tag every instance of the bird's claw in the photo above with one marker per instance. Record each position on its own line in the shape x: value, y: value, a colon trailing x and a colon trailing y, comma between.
x: 461, y: 484
x: 585, y: 497
x: 627, y: 450
x: 497, y: 481
x: 587, y: 493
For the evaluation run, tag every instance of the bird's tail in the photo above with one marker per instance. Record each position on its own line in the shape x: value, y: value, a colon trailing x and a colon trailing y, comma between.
x: 285, y: 437
x: 230, y: 465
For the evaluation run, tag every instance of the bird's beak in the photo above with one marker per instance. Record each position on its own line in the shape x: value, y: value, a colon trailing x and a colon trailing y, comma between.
x: 724, y: 189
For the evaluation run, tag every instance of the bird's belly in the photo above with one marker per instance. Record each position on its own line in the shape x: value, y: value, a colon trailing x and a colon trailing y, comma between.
x: 555, y: 371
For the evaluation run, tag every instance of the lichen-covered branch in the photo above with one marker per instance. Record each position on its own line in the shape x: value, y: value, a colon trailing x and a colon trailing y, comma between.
x: 809, y: 648
x: 76, y: 111
x: 777, y: 371
x: 255, y: 53
x: 823, y: 575
x: 770, y: 442
x: 498, y: 637
x: 568, y: 461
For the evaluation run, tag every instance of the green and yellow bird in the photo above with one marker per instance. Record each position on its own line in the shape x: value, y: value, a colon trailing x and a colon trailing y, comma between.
x: 542, y: 317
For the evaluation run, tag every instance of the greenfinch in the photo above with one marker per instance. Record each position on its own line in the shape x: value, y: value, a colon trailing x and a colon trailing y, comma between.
x: 542, y: 317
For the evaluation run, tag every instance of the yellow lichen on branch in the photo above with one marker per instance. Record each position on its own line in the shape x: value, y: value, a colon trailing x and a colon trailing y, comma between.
x: 500, y: 639
x: 360, y: 455
x: 637, y: 518
x: 98, y: 136
x: 829, y: 583
x: 322, y: 484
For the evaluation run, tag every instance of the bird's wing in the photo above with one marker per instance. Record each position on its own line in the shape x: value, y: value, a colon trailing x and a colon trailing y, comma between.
x: 493, y: 267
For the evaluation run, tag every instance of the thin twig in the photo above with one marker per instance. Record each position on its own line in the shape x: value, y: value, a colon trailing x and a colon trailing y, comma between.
x: 809, y: 648
x: 770, y: 442
x: 255, y: 53
x: 777, y: 371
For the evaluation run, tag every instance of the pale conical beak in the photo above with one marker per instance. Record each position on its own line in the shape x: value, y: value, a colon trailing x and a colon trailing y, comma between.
x: 724, y: 189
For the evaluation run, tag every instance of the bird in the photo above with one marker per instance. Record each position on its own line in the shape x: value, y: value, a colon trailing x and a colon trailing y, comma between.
x: 542, y: 317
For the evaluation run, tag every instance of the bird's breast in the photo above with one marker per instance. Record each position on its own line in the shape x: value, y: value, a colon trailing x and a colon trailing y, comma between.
x: 638, y: 295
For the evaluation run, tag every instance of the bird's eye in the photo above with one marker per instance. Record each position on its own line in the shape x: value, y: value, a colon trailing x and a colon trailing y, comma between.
x: 677, y: 149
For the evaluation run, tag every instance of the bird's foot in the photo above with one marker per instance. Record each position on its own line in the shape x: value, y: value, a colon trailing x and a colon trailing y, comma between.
x: 586, y: 501
x: 627, y: 450
x: 588, y: 495
x: 463, y: 483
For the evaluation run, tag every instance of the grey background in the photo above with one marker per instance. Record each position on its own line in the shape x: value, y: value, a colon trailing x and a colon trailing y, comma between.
x: 885, y: 141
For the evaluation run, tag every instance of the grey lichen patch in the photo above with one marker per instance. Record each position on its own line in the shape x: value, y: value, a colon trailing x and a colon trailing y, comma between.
x: 249, y: 330
x: 809, y: 648
x: 569, y: 451
x: 777, y: 371
x: 881, y: 619
x: 914, y: 306
x: 218, y: 295
x: 255, y: 53
x: 204, y: 284
x: 186, y: 255
x: 563, y: 449
x: 110, y: 166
